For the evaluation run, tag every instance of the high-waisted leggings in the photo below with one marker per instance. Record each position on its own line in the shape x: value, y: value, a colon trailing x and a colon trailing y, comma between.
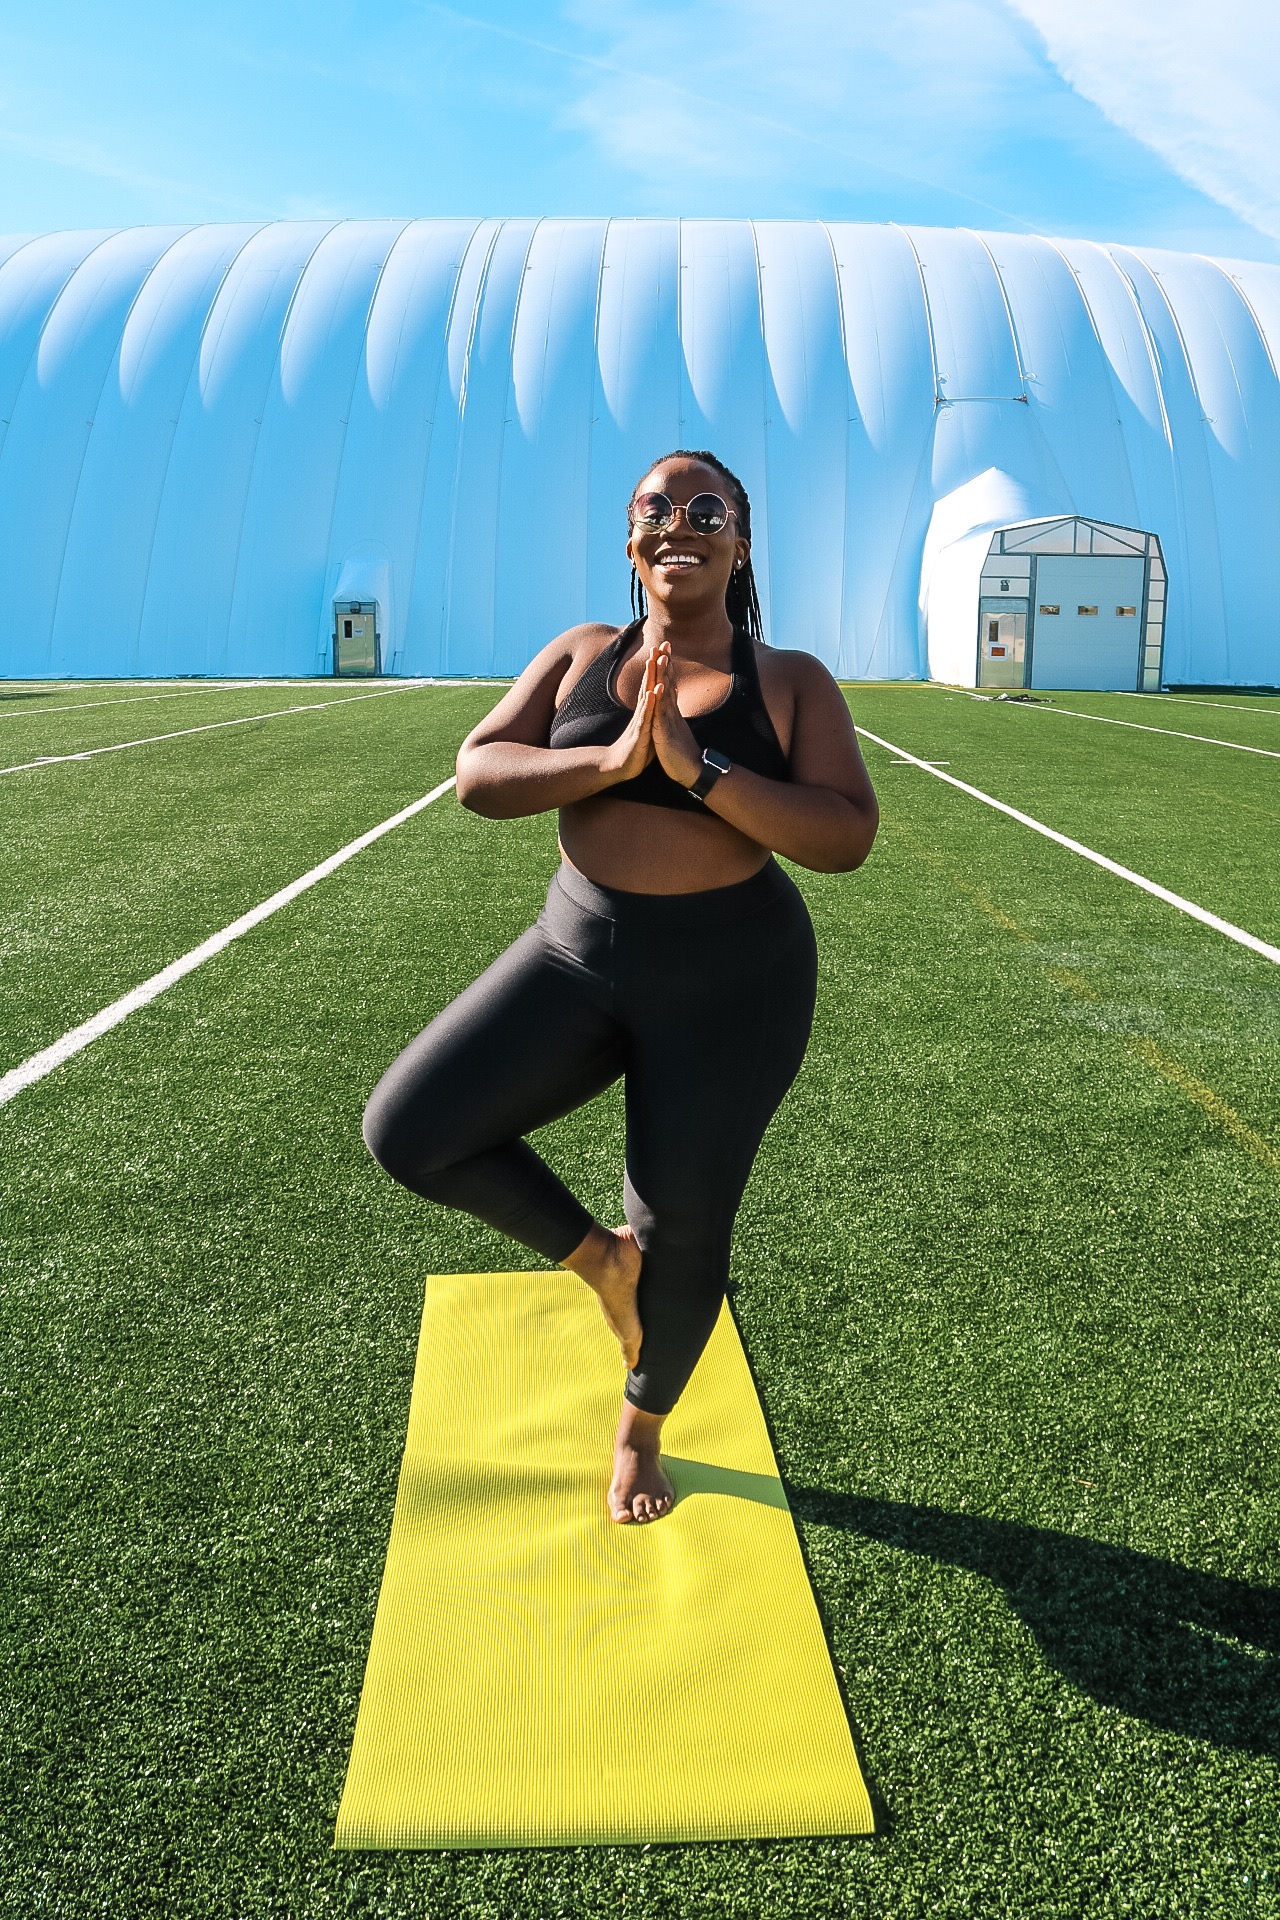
x: 702, y: 1002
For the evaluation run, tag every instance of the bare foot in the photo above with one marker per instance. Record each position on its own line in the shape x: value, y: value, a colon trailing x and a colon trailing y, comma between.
x: 640, y: 1490
x: 609, y: 1261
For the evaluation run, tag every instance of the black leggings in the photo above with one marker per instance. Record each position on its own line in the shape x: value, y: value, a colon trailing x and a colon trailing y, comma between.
x: 703, y: 1001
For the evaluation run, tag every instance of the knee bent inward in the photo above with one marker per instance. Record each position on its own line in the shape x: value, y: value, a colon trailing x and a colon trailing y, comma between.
x: 409, y: 1153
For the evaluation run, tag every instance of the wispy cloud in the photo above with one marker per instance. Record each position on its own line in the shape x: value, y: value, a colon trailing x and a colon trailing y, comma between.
x: 83, y: 157
x: 1198, y: 84
x: 855, y: 95
x: 997, y: 109
x: 1058, y: 115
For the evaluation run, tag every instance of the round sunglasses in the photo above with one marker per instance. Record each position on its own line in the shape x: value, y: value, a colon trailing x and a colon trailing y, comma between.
x: 705, y: 513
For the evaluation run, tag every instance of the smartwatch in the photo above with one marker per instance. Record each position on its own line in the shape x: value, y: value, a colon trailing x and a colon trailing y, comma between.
x: 713, y: 765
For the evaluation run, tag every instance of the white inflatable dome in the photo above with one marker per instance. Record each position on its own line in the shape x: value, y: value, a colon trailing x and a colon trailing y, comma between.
x: 215, y: 440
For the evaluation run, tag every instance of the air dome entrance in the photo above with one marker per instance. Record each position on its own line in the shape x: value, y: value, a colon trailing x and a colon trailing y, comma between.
x: 1071, y: 603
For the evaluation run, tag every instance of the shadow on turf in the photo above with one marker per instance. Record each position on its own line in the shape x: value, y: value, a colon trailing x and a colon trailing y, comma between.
x: 1186, y: 1651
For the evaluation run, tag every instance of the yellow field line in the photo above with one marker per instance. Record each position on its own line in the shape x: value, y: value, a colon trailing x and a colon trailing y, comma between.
x: 1207, y: 1100
x: 1220, y: 1111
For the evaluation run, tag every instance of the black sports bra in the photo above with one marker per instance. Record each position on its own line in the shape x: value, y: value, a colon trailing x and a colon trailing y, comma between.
x: 740, y: 726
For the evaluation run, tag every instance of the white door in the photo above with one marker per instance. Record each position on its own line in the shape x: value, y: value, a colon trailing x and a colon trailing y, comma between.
x: 1087, y: 621
x: 1002, y: 640
x: 355, y: 643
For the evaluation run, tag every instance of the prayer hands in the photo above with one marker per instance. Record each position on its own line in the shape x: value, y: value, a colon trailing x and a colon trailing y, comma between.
x: 678, y: 752
x: 632, y: 751
x: 656, y: 727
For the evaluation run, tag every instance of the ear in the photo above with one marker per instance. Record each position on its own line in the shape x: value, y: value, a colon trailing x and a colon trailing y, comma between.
x: 742, y: 553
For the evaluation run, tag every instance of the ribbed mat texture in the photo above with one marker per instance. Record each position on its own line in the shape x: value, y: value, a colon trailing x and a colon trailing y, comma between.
x: 540, y: 1676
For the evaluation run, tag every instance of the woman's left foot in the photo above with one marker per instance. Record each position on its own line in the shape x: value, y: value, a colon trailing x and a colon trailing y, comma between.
x: 609, y: 1261
x: 639, y: 1490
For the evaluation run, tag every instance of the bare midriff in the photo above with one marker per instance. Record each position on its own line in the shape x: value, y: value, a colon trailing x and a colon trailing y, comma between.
x: 643, y: 849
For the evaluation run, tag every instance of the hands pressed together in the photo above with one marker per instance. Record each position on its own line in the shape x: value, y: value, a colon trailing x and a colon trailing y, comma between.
x: 657, y: 729
x: 822, y: 817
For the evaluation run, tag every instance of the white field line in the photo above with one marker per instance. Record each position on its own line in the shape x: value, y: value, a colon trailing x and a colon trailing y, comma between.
x: 210, y: 726
x: 1225, y: 706
x: 183, y: 680
x: 211, y: 687
x: 44, y: 690
x: 1201, y: 914
x: 78, y: 1038
x: 192, y: 683
x: 1172, y: 733
x: 174, y: 691
x: 129, y: 700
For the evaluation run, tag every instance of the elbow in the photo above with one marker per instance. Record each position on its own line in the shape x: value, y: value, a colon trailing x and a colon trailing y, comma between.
x: 469, y: 788
x: 853, y: 847
x: 868, y: 828
x: 486, y: 798
x: 464, y: 780
x: 860, y: 853
x: 842, y: 859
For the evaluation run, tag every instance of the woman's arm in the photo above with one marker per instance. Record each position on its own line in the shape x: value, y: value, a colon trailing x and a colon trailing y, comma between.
x: 825, y: 817
x: 505, y: 767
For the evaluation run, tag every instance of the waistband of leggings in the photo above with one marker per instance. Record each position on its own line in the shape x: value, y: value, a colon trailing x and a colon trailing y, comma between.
x: 716, y: 906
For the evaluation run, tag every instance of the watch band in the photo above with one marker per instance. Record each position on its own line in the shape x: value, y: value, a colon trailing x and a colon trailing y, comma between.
x: 713, y: 766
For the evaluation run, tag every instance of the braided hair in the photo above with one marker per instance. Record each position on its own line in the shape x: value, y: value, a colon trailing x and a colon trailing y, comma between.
x: 741, y: 601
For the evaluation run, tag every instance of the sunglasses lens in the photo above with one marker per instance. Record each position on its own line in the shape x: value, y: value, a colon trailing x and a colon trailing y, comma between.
x: 651, y: 510
x: 706, y: 513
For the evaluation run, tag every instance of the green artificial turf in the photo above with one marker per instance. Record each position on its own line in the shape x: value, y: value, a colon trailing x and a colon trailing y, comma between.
x: 1197, y: 818
x: 1009, y: 1292
x: 117, y: 865
x: 61, y: 725
x: 1266, y: 704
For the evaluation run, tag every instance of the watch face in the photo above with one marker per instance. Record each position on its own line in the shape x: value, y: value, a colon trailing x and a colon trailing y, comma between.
x: 718, y: 760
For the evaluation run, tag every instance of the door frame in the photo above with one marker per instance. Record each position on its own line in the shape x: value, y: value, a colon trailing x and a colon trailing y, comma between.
x: 348, y: 608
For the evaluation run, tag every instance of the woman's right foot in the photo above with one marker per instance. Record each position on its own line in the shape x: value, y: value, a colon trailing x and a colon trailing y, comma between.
x: 609, y: 1261
x: 639, y: 1490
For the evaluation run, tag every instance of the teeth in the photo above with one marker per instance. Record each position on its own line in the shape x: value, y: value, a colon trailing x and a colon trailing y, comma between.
x: 680, y: 560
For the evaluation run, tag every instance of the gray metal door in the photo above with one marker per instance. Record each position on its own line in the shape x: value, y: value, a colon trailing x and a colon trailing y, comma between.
x: 1002, y: 644
x: 1088, y: 621
x: 355, y: 641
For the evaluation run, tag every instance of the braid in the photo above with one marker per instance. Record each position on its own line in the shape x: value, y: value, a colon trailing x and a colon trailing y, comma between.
x: 741, y: 600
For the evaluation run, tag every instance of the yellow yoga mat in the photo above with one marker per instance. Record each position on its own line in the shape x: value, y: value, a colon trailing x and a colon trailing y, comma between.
x: 540, y: 1676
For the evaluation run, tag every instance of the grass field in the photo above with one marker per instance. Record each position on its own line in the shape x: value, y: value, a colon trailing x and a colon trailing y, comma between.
x: 1007, y: 1272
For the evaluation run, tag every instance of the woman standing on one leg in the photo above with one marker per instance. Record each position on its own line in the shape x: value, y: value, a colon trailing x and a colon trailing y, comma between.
x: 672, y: 950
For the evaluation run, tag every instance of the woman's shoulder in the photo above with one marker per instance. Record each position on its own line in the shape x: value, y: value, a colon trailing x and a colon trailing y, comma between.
x: 587, y: 638
x: 578, y: 647
x: 790, y: 672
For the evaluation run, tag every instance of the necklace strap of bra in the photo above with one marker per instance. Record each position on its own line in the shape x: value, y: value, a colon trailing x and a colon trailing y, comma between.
x: 743, y: 654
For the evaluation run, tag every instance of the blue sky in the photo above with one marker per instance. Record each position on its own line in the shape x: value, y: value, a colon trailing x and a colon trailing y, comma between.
x: 1151, y: 121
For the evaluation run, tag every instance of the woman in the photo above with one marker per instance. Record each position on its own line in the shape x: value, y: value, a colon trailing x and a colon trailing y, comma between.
x: 672, y: 950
